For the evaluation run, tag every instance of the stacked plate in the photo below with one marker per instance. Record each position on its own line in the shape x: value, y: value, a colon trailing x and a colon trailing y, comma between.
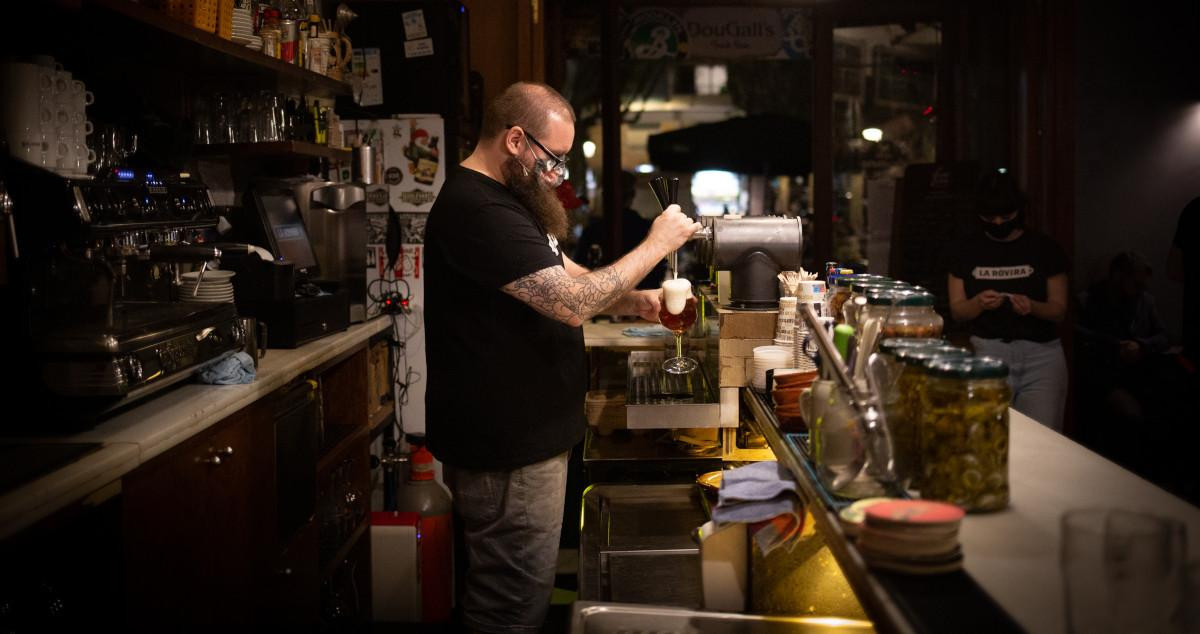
x: 911, y: 536
x: 215, y: 287
x: 769, y: 358
x: 243, y: 29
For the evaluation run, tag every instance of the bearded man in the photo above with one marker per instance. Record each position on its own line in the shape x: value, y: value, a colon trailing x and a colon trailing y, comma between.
x: 504, y: 347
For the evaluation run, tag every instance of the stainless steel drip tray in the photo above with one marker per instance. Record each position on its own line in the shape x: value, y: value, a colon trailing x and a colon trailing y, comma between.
x: 590, y: 617
x: 636, y: 544
x: 655, y: 399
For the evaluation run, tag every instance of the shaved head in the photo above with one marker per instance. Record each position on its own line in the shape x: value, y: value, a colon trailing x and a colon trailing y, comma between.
x: 526, y: 104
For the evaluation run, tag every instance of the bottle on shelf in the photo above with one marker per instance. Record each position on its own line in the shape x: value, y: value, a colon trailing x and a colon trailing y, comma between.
x: 424, y: 495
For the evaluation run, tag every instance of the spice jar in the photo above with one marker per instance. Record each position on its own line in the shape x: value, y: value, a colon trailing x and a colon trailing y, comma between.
x: 912, y: 315
x: 902, y: 406
x: 964, y: 433
x: 855, y: 312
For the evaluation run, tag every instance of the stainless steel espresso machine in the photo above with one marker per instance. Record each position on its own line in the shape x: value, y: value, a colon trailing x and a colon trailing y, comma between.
x: 92, y: 301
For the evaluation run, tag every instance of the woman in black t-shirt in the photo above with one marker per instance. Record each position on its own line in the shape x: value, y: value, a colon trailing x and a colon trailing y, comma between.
x: 1009, y: 284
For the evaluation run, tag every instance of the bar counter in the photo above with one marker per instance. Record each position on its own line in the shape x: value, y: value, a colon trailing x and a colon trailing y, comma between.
x: 148, y: 429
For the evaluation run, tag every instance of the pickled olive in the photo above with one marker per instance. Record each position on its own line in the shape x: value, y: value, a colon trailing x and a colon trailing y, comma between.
x: 964, y: 435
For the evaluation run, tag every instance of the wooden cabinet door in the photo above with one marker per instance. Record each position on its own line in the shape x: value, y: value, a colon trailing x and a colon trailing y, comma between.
x: 197, y: 525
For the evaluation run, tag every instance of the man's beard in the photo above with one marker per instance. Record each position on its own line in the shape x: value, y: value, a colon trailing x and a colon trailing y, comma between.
x: 532, y: 193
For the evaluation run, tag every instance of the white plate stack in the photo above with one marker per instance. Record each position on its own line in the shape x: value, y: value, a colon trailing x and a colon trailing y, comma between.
x: 243, y: 26
x: 769, y: 358
x: 215, y: 287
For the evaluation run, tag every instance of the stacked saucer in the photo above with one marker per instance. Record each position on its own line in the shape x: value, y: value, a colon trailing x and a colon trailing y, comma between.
x: 912, y: 536
x: 214, y: 287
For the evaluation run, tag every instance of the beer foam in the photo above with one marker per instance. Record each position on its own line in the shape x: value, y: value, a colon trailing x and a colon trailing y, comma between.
x: 676, y: 293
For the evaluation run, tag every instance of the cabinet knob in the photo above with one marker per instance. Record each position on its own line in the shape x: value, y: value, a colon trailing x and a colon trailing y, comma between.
x: 216, y: 456
x: 284, y: 572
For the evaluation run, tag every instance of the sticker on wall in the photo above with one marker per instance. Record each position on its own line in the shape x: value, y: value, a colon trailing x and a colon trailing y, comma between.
x: 414, y: 24
x: 418, y: 48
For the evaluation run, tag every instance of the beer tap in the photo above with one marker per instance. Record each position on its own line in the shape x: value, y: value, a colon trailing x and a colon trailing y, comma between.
x: 665, y: 192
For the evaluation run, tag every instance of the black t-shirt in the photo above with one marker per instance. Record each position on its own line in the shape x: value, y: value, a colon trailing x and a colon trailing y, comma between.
x: 1020, y: 267
x: 505, y: 384
x: 1188, y: 242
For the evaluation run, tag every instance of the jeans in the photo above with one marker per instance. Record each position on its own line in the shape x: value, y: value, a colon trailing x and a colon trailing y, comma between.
x: 511, y: 521
x: 1037, y: 374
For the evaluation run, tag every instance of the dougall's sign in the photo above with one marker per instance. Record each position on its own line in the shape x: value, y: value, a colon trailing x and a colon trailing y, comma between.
x: 716, y: 33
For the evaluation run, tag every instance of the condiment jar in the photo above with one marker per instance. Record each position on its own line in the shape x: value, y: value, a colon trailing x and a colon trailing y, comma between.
x: 903, y: 407
x: 853, y: 312
x: 964, y: 432
x: 912, y: 315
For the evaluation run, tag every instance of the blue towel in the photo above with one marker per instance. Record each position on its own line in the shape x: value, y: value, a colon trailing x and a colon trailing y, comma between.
x: 230, y: 369
x: 657, y: 330
x: 761, y: 492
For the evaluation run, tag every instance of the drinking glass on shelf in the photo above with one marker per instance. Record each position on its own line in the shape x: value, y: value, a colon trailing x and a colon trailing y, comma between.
x: 678, y: 313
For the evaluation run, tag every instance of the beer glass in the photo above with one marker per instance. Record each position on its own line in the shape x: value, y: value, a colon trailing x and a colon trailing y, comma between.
x: 678, y: 313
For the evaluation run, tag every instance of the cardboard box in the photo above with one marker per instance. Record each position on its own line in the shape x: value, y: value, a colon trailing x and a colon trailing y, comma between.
x: 747, y: 324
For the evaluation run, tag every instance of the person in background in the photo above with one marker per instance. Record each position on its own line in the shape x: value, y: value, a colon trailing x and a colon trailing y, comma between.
x: 634, y: 229
x: 1008, y: 283
x: 507, y: 373
x: 1123, y: 368
x: 1183, y: 266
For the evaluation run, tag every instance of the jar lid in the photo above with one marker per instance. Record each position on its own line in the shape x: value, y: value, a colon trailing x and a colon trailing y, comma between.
x: 892, y: 344
x: 887, y: 296
x: 847, y: 280
x: 921, y: 354
x: 915, y: 298
x: 967, y: 368
x: 860, y: 286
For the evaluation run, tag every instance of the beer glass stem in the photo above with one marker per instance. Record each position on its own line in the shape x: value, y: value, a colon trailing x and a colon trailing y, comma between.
x: 678, y: 345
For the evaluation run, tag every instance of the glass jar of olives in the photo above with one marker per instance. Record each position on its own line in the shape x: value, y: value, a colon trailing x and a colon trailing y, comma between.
x: 903, y: 407
x: 964, y: 432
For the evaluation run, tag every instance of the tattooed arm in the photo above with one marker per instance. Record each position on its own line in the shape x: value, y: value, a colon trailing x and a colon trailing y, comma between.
x: 573, y: 299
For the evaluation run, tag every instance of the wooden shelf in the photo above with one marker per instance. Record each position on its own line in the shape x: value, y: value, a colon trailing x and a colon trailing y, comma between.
x: 337, y: 439
x: 386, y: 411
x: 273, y: 148
x: 186, y: 49
x: 343, y: 551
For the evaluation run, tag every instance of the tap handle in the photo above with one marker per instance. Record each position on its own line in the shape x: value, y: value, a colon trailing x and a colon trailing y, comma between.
x: 658, y: 185
x: 673, y: 191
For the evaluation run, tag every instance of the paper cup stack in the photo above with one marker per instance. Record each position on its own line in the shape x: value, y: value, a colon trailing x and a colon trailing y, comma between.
x: 215, y: 287
x: 769, y: 358
x: 912, y: 536
x: 785, y: 323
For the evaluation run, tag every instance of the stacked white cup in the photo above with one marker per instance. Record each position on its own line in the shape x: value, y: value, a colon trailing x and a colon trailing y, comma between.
x: 769, y: 358
x: 785, y: 322
x: 44, y: 117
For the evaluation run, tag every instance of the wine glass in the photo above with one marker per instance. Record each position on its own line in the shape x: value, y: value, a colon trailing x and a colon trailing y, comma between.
x: 678, y: 313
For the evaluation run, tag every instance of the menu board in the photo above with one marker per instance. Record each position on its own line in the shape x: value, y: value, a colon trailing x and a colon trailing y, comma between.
x: 933, y: 214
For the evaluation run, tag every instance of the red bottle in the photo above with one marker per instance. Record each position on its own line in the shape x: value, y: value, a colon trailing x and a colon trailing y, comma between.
x: 425, y: 495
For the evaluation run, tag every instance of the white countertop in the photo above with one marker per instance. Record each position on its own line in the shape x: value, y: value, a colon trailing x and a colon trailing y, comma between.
x: 137, y: 435
x: 1013, y: 554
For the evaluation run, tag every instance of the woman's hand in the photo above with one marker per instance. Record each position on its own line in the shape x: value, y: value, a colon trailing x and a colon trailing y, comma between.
x: 990, y: 300
x: 1021, y: 304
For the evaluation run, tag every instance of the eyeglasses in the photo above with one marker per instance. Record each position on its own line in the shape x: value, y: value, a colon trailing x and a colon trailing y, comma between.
x: 555, y: 163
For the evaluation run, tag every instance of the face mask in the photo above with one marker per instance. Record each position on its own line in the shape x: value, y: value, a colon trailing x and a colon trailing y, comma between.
x: 1004, y: 229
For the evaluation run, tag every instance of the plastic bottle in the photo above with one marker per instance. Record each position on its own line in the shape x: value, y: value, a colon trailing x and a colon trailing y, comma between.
x: 424, y: 495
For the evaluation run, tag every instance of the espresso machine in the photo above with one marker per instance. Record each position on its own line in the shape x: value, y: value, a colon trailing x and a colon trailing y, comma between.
x: 93, y: 293
x: 335, y: 215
